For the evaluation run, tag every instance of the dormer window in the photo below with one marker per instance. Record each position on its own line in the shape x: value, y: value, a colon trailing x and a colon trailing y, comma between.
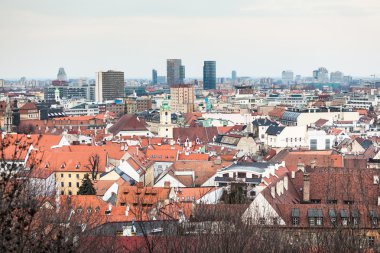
x: 63, y: 166
x: 332, y: 215
x: 374, y: 218
x: 344, y: 217
x: 97, y: 209
x: 46, y: 165
x: 295, y: 216
x: 315, y: 217
x: 77, y: 166
x: 79, y: 210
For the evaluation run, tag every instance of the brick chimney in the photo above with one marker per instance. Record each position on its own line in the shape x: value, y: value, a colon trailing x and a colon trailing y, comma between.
x: 301, y: 166
x: 313, y: 163
x: 306, y: 187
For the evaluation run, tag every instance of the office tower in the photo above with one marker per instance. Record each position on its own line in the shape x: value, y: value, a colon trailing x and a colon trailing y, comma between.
x: 61, y: 76
x: 287, y: 76
x: 209, y: 75
x: 321, y: 75
x: 173, y: 69
x: 182, y: 97
x: 182, y: 74
x: 2, y: 83
x: 336, y: 77
x: 109, y: 85
x: 233, y: 76
x: 154, y: 76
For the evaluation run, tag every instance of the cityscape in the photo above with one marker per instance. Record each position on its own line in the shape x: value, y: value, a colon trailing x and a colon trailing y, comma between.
x: 179, y: 148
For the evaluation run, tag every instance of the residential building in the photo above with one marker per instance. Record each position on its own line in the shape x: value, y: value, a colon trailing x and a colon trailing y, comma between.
x: 209, y: 75
x: 109, y: 85
x: 182, y: 98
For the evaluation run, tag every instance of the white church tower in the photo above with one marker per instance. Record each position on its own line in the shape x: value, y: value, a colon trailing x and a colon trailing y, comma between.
x: 165, y: 128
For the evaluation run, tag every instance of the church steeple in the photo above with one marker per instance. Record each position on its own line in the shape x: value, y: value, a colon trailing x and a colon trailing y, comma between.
x: 8, y: 117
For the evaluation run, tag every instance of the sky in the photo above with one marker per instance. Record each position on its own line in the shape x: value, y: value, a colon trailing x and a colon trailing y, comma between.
x: 254, y: 37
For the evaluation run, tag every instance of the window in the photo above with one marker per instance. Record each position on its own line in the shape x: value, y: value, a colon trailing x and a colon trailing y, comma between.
x: 262, y: 221
x: 242, y: 175
x: 332, y: 201
x: 319, y: 221
x: 61, y: 175
x: 62, y: 184
x: 77, y: 184
x: 313, y: 144
x: 371, y: 241
x: 295, y: 221
x: 70, y: 193
x: 327, y: 144
x: 275, y: 221
x: 344, y: 221
x: 77, y: 176
x: 69, y: 184
x: 315, y: 201
x: 62, y: 193
x: 69, y: 175
x: 348, y: 202
x: 312, y: 221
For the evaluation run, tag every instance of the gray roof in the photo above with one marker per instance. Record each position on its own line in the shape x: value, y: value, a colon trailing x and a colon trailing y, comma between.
x: 290, y: 116
x: 258, y: 167
x: 274, y: 130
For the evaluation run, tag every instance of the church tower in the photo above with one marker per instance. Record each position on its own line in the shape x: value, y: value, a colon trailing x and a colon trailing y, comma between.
x: 165, y: 128
x: 8, y: 118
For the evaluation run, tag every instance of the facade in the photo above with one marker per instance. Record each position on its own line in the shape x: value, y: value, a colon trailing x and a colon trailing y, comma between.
x: 209, y: 75
x: 182, y: 98
x: 287, y: 77
x: 109, y: 85
x: 173, y: 69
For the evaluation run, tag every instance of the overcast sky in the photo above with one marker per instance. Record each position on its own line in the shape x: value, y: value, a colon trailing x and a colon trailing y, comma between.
x: 254, y: 37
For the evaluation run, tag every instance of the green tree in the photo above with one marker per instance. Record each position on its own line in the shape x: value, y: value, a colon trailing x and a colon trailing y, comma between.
x: 86, y: 188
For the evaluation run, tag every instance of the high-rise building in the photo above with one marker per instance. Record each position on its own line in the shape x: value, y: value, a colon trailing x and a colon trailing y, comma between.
x: 336, y: 77
x: 109, y: 85
x: 61, y: 76
x: 2, y: 83
x: 287, y: 77
x: 182, y: 98
x: 209, y: 75
x: 154, y: 76
x: 182, y: 74
x: 173, y: 69
x: 347, y: 79
x: 321, y: 75
x: 233, y: 76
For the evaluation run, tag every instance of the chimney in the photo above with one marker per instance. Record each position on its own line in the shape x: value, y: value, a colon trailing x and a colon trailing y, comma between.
x: 301, y: 166
x: 167, y: 184
x: 306, y: 187
x: 218, y: 161
x: 313, y: 163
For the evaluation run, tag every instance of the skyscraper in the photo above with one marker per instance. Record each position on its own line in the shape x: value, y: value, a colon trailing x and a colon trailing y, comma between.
x: 209, y: 75
x: 109, y: 85
x: 233, y: 76
x: 182, y: 74
x: 287, y: 76
x: 173, y: 69
x: 61, y: 76
x: 154, y: 76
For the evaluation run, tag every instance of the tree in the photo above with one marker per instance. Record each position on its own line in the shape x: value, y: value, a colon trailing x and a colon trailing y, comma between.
x: 93, y: 166
x: 86, y: 188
